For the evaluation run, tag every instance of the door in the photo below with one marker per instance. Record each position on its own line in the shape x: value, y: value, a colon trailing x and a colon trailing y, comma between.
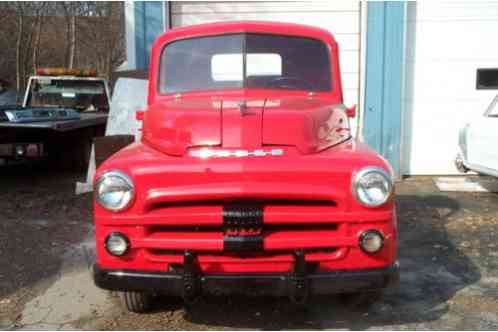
x: 446, y: 43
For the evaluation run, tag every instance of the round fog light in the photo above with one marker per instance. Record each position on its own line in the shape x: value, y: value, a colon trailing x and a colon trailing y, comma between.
x: 117, y: 244
x: 20, y: 150
x: 371, y: 241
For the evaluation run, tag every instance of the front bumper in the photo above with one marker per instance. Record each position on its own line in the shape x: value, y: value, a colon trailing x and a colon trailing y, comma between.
x: 296, y: 285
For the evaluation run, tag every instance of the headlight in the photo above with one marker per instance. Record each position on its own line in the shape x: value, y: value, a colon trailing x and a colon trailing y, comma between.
x: 20, y: 150
x: 114, y: 191
x: 372, y: 186
x: 117, y: 244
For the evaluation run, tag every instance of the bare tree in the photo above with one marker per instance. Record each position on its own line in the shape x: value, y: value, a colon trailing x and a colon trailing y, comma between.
x: 20, y: 32
x: 36, y: 46
x: 25, y: 29
x: 43, y: 34
x: 105, y: 34
x: 35, y: 18
x: 70, y: 12
x: 38, y: 31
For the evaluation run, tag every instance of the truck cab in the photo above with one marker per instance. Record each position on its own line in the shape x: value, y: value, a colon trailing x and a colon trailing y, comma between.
x: 247, y: 178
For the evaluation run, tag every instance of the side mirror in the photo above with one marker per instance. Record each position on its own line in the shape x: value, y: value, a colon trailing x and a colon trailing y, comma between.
x: 140, y: 115
x: 351, y: 111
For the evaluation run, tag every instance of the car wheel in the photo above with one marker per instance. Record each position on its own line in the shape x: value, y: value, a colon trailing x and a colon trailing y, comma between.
x: 136, y: 301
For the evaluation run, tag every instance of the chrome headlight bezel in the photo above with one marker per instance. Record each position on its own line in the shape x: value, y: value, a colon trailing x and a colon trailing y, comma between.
x: 359, y: 175
x: 122, y: 176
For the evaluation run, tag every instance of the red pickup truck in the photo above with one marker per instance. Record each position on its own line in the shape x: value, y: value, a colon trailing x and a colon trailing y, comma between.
x: 246, y: 179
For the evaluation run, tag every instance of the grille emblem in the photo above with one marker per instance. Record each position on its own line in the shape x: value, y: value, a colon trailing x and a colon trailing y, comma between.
x: 210, y: 153
x: 243, y: 227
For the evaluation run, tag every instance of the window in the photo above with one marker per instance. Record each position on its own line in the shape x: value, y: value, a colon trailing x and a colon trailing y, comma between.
x: 245, y: 60
x: 493, y: 108
x: 230, y: 67
x: 487, y: 78
x: 80, y: 94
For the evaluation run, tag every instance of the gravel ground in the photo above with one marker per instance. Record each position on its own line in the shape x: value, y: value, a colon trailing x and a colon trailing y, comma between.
x: 448, y: 253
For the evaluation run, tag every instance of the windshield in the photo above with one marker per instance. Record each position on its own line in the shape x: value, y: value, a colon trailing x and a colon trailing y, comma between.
x: 245, y: 60
x: 492, y: 110
x: 82, y: 95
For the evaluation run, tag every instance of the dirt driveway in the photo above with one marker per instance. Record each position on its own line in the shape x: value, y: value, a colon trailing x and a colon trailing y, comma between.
x: 448, y: 254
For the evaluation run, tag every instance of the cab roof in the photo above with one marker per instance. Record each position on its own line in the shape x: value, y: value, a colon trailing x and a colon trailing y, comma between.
x: 220, y: 28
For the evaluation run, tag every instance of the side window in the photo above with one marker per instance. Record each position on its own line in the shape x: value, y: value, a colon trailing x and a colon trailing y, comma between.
x: 487, y: 78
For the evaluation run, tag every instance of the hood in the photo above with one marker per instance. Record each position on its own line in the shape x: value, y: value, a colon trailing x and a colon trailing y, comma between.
x: 309, y: 124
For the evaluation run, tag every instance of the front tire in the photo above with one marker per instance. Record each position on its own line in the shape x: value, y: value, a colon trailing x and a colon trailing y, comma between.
x: 137, y: 302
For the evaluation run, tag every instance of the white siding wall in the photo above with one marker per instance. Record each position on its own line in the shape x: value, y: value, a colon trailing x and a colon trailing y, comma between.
x: 340, y: 17
x: 446, y: 43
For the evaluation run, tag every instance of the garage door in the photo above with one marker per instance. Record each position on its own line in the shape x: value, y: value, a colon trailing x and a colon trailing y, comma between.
x: 446, y: 43
x: 340, y: 17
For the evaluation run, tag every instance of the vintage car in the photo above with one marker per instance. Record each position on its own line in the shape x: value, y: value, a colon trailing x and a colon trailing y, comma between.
x: 477, y: 140
x: 246, y: 179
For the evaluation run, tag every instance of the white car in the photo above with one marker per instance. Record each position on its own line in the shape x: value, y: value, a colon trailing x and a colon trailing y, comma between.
x: 478, y: 143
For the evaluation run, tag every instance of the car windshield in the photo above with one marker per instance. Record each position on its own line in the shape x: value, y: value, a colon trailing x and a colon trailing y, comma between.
x: 245, y: 61
x: 493, y: 108
x: 80, y: 94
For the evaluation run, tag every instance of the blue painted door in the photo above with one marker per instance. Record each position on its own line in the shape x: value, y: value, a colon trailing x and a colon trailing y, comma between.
x: 148, y: 26
x: 384, y: 67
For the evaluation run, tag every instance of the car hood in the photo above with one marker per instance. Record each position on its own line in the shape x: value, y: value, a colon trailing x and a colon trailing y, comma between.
x: 307, y: 123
